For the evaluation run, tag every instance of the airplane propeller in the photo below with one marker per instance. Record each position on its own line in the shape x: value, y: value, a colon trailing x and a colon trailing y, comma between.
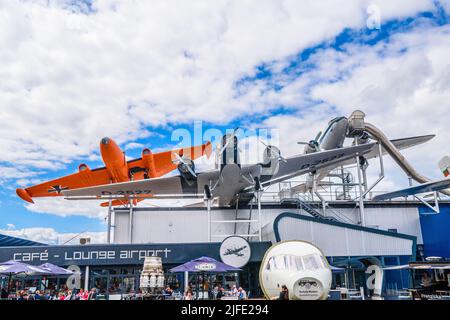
x: 183, y: 161
x: 313, y: 144
x: 273, y: 152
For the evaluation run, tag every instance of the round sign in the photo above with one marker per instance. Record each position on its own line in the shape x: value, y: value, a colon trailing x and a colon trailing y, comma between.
x: 235, y: 251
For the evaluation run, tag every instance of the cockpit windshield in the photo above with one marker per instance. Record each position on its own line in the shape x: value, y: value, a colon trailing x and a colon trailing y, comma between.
x: 296, y: 263
x: 329, y: 128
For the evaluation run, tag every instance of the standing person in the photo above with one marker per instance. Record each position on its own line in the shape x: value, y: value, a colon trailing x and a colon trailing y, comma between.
x: 284, y: 293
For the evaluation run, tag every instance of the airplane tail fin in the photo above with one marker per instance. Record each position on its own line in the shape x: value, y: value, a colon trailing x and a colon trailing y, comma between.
x: 444, y: 165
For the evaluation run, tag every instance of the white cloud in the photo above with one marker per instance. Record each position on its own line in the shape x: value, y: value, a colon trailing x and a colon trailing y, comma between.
x: 63, y: 208
x: 68, y: 79
x: 134, y: 145
x: 51, y: 236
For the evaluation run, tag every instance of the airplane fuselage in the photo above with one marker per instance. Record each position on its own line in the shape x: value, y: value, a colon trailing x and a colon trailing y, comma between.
x: 334, y: 135
x: 114, y: 160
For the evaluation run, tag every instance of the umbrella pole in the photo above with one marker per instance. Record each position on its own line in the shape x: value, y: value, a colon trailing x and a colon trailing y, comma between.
x: 9, y: 283
x: 203, y: 286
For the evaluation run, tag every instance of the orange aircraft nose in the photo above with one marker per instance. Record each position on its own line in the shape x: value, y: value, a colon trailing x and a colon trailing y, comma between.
x: 24, y: 195
x: 105, y: 141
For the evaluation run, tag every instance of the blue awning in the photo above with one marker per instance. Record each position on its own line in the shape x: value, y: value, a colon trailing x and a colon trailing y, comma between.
x: 8, y: 241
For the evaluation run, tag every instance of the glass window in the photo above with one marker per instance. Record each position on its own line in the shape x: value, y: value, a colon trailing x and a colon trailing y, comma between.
x: 271, y: 264
x: 311, y: 262
x: 280, y: 262
x: 299, y: 263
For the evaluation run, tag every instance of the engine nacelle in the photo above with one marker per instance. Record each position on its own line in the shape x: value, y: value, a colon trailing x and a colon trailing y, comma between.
x: 363, y: 138
x: 184, y: 167
x: 149, y: 162
x: 83, y: 168
x: 271, y: 160
x: 311, y: 147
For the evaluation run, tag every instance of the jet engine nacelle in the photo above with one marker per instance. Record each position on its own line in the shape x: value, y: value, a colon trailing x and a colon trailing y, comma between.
x: 300, y: 266
x: 149, y: 162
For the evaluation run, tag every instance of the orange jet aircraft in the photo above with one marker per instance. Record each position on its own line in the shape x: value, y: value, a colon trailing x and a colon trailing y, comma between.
x: 117, y: 169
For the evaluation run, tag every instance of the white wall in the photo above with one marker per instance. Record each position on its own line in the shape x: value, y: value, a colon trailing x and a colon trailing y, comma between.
x: 187, y: 226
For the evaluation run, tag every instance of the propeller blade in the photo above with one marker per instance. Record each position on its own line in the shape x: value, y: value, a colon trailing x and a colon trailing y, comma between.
x: 183, y: 161
x: 191, y: 171
x: 278, y: 155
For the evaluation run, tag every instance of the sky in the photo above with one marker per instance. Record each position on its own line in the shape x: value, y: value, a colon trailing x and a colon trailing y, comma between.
x: 74, y: 71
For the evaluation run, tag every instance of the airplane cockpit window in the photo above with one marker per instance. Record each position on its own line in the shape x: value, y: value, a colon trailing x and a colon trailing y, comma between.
x: 296, y: 263
x: 312, y: 262
x: 271, y: 264
x: 281, y: 262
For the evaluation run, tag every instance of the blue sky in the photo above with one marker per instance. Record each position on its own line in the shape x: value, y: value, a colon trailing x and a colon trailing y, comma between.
x: 75, y: 71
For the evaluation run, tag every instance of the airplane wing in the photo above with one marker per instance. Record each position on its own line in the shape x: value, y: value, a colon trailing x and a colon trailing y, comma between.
x: 400, y: 144
x: 304, y: 163
x: 422, y: 188
x: 54, y: 187
x: 168, y: 186
x: 164, y: 160
x: 176, y: 186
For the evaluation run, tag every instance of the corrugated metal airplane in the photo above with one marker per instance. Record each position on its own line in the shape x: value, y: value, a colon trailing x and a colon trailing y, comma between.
x: 117, y: 169
x: 231, y: 181
x: 333, y: 137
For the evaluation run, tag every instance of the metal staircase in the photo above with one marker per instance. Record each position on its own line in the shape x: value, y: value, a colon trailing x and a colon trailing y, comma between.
x: 313, y: 212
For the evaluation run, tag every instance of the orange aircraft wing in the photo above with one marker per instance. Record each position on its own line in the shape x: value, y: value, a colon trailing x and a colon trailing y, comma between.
x: 164, y: 160
x: 54, y: 187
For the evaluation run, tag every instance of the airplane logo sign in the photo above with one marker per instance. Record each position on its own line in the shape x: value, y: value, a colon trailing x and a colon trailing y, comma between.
x: 235, y: 251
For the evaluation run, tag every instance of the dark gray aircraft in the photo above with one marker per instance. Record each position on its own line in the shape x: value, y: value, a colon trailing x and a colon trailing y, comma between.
x: 333, y: 137
x: 229, y: 183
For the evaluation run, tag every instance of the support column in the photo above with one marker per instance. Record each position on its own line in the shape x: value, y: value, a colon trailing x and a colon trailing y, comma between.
x: 186, y: 280
x: 86, y: 278
x: 361, y: 199
x: 208, y: 208
x: 259, y: 216
x: 130, y: 227
x: 108, y: 231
